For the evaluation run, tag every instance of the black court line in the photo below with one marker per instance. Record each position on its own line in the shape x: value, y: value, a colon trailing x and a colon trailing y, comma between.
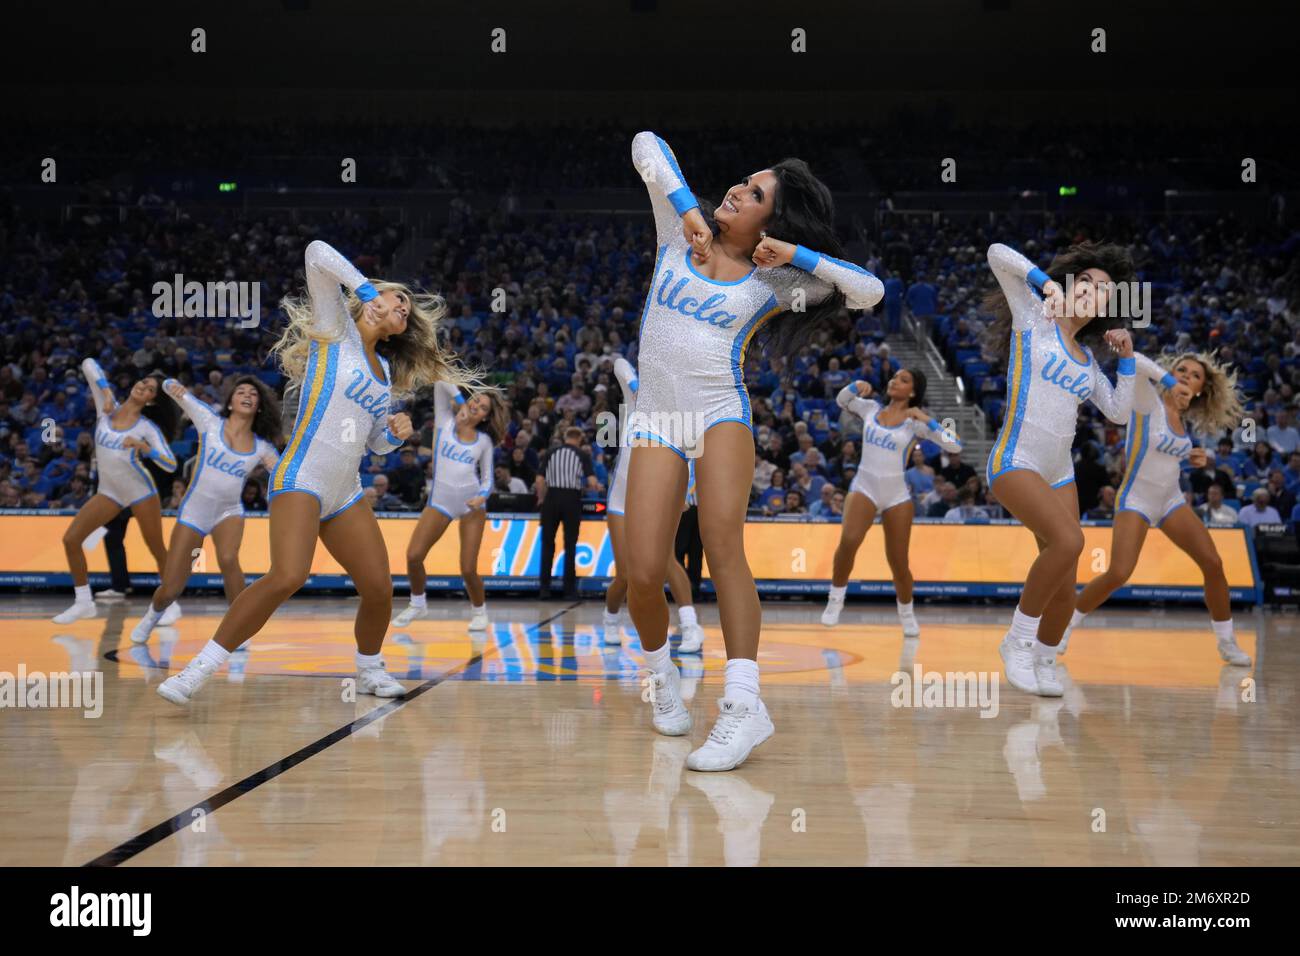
x: 156, y: 834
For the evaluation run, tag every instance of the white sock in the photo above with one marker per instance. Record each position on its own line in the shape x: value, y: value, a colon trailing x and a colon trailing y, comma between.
x: 212, y: 653
x: 905, y: 610
x: 686, y: 616
x: 1223, y: 631
x: 83, y: 595
x: 369, y: 660
x: 477, y: 607
x: 1077, y: 618
x: 610, y: 615
x: 1044, y: 650
x: 1024, y: 627
x: 742, y: 681
x: 837, y: 594
x: 660, y: 660
x: 419, y: 600
x: 150, y: 619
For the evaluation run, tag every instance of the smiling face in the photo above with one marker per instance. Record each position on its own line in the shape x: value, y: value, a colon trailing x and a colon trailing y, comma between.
x: 1091, y: 293
x: 748, y: 205
x: 145, y: 391
x: 1191, y: 373
x: 399, y: 307
x: 245, y: 400
x: 900, y: 386
x: 474, y: 411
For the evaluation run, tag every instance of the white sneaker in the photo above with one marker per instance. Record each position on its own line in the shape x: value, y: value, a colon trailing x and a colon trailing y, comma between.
x: 831, y: 616
x: 410, y: 614
x: 1233, y: 654
x: 1049, y: 684
x: 692, y: 640
x: 140, y: 633
x: 911, y: 627
x: 109, y: 594
x: 170, y: 615
x: 180, y: 688
x: 375, y: 680
x: 670, y: 716
x: 79, y: 610
x: 611, y: 627
x: 1018, y: 661
x: 736, y: 733
x: 479, y: 622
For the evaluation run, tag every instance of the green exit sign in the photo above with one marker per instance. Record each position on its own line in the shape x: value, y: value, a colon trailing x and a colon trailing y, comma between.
x: 1069, y: 190
x: 227, y: 187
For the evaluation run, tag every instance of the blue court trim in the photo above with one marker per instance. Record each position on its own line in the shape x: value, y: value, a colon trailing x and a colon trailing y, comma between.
x: 651, y: 436
x: 351, y: 501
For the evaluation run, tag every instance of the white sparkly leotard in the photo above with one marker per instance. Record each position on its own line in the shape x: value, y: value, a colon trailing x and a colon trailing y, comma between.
x: 694, y: 330
x: 1045, y: 383
x: 1153, y: 451
x: 885, y: 449
x: 343, y: 408
x: 460, y: 471
x: 216, y: 488
x: 121, y: 476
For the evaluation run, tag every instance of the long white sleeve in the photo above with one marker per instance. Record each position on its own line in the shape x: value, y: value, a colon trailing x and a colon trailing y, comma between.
x: 670, y: 197
x: 1116, y: 402
x: 200, y: 414
x: 485, y: 467
x: 849, y: 398
x: 933, y: 431
x: 161, y: 453
x: 626, y: 375
x: 861, y: 289
x: 445, y: 399
x: 327, y: 269
x: 99, y: 386
x: 1018, y: 278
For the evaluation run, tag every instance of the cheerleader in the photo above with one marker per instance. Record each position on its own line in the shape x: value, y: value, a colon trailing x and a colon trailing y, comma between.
x: 1157, y: 443
x: 692, y: 640
x: 349, y: 355
x: 889, y: 432
x: 764, y: 259
x: 463, y: 443
x: 1051, y: 371
x: 124, y: 435
x: 231, y: 446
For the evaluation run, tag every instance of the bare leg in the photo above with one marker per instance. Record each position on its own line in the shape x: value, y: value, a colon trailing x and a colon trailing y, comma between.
x: 95, y: 513
x: 227, y: 536
x: 355, y: 541
x: 1060, y: 607
x: 1184, y: 530
x: 859, y: 513
x: 722, y: 479
x: 656, y: 485
x: 898, y: 537
x: 1046, y: 514
x: 617, y: 589
x: 471, y: 540
x: 179, y: 565
x: 295, y: 524
x: 148, y: 515
x: 1127, y: 535
x: 431, y: 526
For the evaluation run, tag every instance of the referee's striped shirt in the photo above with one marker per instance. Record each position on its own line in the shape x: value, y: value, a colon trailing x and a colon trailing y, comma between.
x: 567, y: 467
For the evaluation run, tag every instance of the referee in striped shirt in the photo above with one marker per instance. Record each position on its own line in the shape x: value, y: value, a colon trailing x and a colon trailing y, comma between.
x: 559, y: 490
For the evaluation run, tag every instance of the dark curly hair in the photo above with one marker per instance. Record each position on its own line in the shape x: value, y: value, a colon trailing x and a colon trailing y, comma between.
x: 266, y: 420
x: 1111, y: 258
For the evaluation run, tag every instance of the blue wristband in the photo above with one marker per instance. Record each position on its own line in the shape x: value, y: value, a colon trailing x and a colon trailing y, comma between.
x: 459, y: 398
x: 934, y: 426
x: 392, y: 439
x: 805, y: 259
x: 1037, y: 278
x: 1128, y: 365
x: 633, y: 385
x: 366, y: 292
x: 1169, y: 381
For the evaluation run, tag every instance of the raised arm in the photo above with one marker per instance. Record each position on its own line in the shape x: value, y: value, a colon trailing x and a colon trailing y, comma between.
x: 1022, y: 283
x: 932, y: 430
x: 327, y: 269
x: 199, y: 413
x: 1115, y: 402
x: 861, y: 289
x: 850, y: 398
x: 100, y: 390
x: 670, y: 197
x: 160, y: 453
x: 446, y: 398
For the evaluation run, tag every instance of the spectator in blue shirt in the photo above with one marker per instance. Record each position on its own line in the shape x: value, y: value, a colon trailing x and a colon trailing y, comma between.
x: 894, y: 303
